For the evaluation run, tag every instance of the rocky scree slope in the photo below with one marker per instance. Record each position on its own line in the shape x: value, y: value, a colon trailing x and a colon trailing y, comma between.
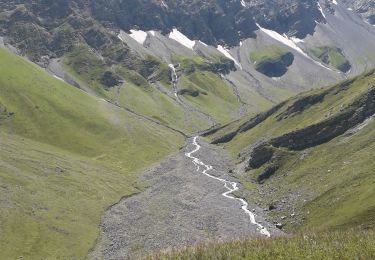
x: 365, y: 7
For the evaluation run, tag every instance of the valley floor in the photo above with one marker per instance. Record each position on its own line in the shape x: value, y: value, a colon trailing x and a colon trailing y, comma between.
x: 181, y: 207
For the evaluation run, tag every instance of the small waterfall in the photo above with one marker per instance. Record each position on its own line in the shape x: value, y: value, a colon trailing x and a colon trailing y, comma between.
x: 174, y: 77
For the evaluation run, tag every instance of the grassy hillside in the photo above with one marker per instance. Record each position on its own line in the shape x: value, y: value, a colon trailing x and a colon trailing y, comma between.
x: 214, y: 96
x: 65, y: 157
x: 350, y: 245
x: 271, y: 53
x: 332, y: 56
x: 310, y: 160
x: 134, y: 93
x: 272, y: 61
x: 146, y: 85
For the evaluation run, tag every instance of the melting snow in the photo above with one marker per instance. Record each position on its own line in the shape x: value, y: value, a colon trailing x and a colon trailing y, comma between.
x: 138, y: 35
x: 296, y: 40
x: 228, y: 55
x: 202, y: 43
x: 321, y: 10
x: 282, y: 39
x: 182, y: 39
x: 290, y: 42
x: 364, y: 123
x: 57, y: 77
x: 164, y: 4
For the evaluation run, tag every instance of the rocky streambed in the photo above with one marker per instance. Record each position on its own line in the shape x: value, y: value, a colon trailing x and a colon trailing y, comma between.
x: 181, y: 207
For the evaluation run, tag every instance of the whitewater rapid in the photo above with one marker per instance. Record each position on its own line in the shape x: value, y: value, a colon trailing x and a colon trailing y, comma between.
x: 230, y: 186
x: 174, y: 79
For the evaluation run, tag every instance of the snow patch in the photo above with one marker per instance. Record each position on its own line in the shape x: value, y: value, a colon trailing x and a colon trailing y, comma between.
x: 202, y: 43
x: 164, y: 4
x: 368, y: 22
x: 364, y: 124
x: 243, y: 3
x: 120, y: 36
x: 138, y: 35
x: 290, y: 42
x: 181, y: 38
x: 321, y: 10
x: 226, y: 53
x: 283, y: 39
x: 153, y: 33
x: 335, y: 2
x: 296, y: 40
x: 57, y: 77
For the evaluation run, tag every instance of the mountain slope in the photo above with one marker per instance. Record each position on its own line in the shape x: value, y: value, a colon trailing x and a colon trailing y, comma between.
x: 342, y: 245
x: 134, y: 42
x: 364, y: 7
x: 144, y: 75
x: 65, y: 157
x: 309, y: 152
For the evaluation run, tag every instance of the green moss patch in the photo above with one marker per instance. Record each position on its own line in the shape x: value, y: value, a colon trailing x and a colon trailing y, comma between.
x: 332, y: 56
x: 272, y: 61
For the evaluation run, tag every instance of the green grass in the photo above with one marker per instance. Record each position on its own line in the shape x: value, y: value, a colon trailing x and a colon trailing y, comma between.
x: 331, y: 55
x: 186, y: 62
x: 332, y: 104
x: 335, y: 178
x: 65, y: 157
x: 148, y: 101
x: 86, y: 66
x: 218, y: 64
x: 345, y: 245
x: 137, y: 93
x: 346, y: 166
x: 216, y: 98
x: 270, y: 54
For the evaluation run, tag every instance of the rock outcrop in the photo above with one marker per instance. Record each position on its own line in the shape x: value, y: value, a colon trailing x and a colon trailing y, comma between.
x: 260, y: 154
x: 275, y: 67
x: 328, y: 129
x: 53, y: 27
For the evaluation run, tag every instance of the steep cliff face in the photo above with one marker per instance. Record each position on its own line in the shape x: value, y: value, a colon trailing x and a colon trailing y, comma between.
x: 42, y: 29
x: 211, y: 21
x: 46, y: 29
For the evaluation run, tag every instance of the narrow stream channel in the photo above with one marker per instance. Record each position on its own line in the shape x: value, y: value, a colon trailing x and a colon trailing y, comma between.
x: 230, y: 186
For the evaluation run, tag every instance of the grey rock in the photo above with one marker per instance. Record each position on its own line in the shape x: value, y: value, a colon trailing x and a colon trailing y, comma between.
x: 181, y: 207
